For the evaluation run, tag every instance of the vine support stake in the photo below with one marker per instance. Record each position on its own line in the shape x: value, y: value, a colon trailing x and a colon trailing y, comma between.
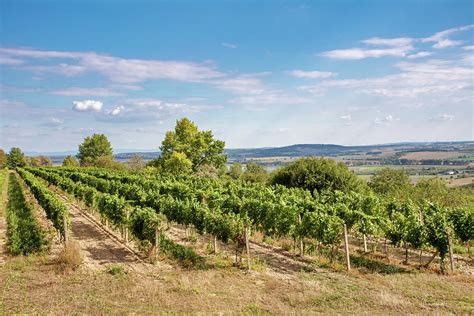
x: 365, y: 243
x: 126, y: 227
x: 451, y: 256
x: 66, y: 233
x: 301, y: 239
x: 215, y: 245
x: 247, y: 246
x: 157, y: 241
x: 346, y: 246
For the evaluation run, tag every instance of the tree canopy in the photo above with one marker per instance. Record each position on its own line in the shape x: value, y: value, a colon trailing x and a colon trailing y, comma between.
x: 70, y: 161
x: 255, y: 173
x: 16, y: 158
x: 320, y: 174
x: 391, y: 182
x: 199, y: 147
x: 93, y: 148
x: 40, y: 161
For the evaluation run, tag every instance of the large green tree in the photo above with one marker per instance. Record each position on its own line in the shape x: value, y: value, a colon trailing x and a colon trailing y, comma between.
x: 70, y: 161
x: 197, y: 146
x: 94, y: 147
x: 40, y: 161
x: 320, y: 174
x: 255, y: 173
x: 16, y: 158
x: 391, y: 182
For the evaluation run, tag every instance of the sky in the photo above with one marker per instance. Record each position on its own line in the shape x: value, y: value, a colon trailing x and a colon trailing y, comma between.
x: 256, y: 73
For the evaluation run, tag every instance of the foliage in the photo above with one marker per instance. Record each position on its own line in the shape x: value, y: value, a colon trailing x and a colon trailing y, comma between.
x: 92, y: 148
x: 70, y: 161
x: 317, y: 174
x: 463, y: 223
x: 235, y: 170
x: 3, y: 159
x: 16, y: 158
x: 255, y: 173
x: 435, y: 190
x: 207, y: 171
x: 177, y: 163
x: 136, y: 163
x: 391, y: 182
x: 40, y: 161
x: 54, y: 208
x: 199, y: 147
x: 24, y: 234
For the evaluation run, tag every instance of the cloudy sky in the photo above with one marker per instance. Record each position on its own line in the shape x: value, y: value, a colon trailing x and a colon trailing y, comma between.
x: 268, y: 73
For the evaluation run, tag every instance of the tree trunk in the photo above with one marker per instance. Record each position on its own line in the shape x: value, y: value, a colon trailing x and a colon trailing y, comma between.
x: 346, y: 246
x: 421, y: 256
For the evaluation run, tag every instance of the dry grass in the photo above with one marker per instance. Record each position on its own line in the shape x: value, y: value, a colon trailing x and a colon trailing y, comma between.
x: 34, y: 285
x: 70, y: 257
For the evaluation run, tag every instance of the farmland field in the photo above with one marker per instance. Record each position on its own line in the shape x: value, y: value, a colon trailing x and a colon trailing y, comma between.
x: 122, y: 279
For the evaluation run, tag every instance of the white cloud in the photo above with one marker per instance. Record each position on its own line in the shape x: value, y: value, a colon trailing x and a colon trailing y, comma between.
x: 430, y: 78
x: 447, y: 43
x: 7, y: 60
x: 311, y: 74
x: 229, y: 45
x: 361, y: 53
x: 116, y: 111
x: 87, y: 105
x: 469, y: 47
x: 346, y: 117
x: 441, y: 38
x: 443, y: 118
x: 55, y: 121
x: 397, y: 42
x: 385, y: 120
x: 119, y: 70
x: 397, y: 47
x: 242, y: 84
x: 77, y: 91
x: 419, y: 55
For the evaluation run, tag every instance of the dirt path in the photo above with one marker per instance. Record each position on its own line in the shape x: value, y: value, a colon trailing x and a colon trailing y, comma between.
x: 3, y: 222
x: 278, y: 262
x: 100, y: 247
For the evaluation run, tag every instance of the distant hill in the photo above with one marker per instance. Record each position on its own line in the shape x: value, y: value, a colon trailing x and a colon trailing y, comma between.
x: 297, y: 150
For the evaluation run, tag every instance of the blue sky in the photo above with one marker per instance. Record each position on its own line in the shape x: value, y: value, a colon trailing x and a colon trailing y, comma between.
x: 257, y: 73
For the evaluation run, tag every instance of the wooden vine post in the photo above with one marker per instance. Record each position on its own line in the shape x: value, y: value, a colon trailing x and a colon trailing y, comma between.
x: 451, y: 256
x: 66, y: 233
x: 365, y: 243
x: 346, y: 246
x: 301, y: 239
x: 126, y: 226
x: 215, y: 245
x: 247, y: 246
x: 157, y: 241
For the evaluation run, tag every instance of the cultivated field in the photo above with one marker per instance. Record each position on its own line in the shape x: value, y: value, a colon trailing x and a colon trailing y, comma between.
x: 117, y: 276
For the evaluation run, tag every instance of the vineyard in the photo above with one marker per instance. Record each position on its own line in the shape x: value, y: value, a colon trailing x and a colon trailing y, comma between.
x: 139, y: 205
x: 151, y: 223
